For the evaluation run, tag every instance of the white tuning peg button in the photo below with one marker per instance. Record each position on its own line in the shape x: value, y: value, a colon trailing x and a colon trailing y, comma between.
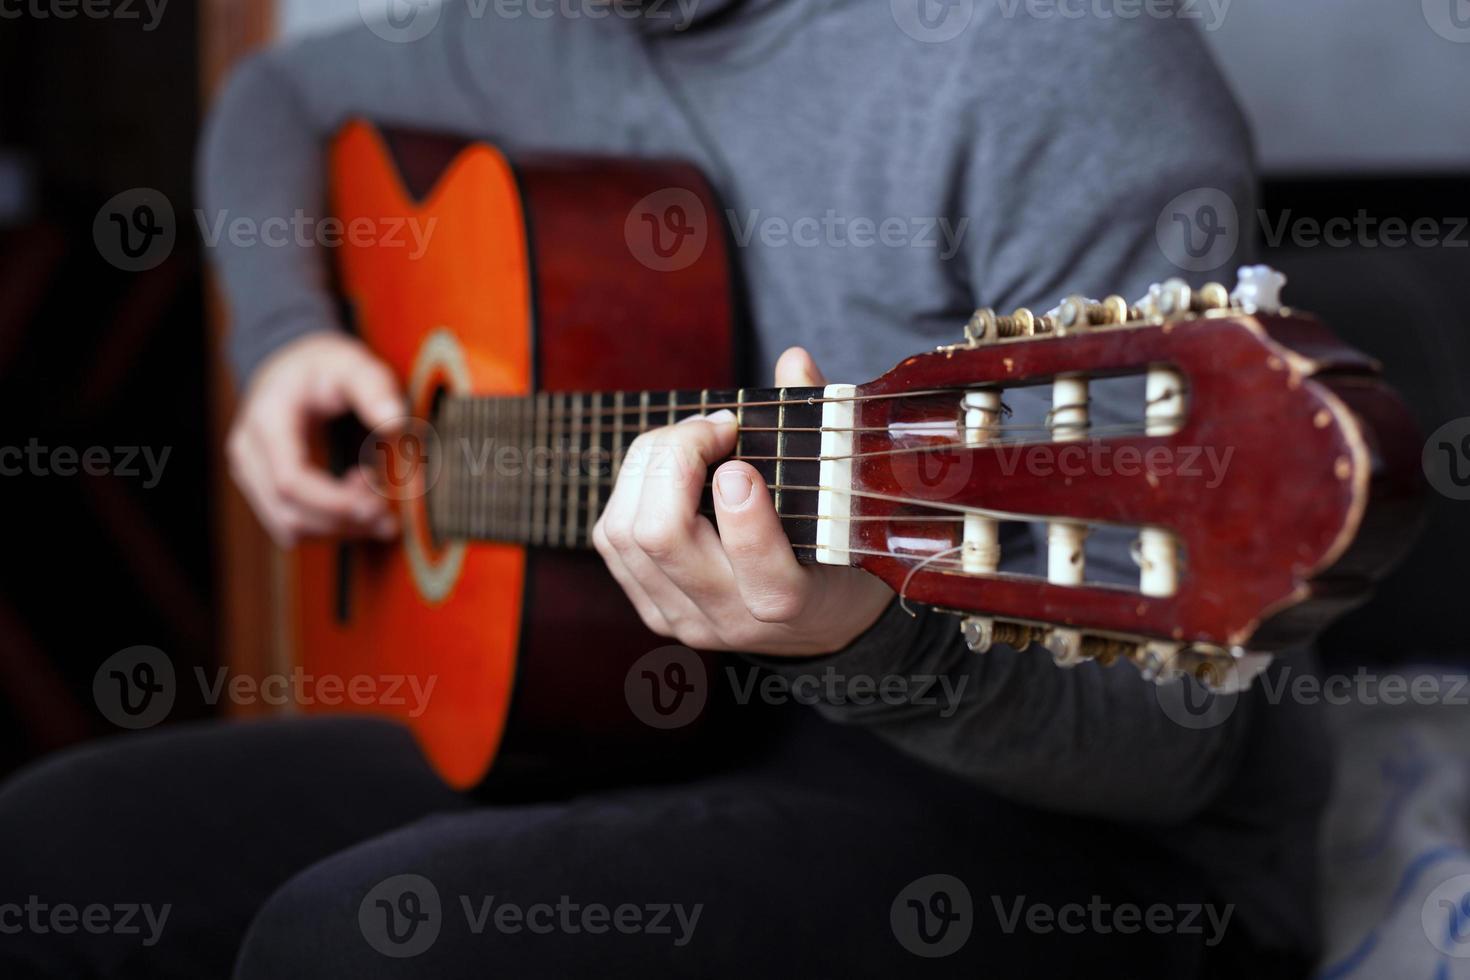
x: 1259, y: 289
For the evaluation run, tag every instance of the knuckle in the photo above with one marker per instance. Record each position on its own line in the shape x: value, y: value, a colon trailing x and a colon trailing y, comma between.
x: 657, y: 538
x: 775, y: 607
x: 618, y: 534
x: 655, y: 622
x: 701, y: 638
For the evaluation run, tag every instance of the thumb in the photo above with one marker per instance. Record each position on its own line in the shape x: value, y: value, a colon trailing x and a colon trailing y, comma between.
x: 796, y: 369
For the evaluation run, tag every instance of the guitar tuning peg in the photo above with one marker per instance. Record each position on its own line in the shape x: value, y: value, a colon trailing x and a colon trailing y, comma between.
x: 1259, y: 289
x: 986, y: 326
x: 1159, y: 661
x: 1241, y: 673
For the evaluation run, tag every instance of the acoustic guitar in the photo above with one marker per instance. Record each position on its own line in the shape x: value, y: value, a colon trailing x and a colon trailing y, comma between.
x: 561, y: 306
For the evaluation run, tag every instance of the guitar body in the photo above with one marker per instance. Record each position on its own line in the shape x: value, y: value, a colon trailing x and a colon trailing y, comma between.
x: 511, y: 277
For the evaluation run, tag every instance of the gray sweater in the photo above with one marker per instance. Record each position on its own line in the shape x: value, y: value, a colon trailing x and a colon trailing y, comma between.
x: 1014, y: 159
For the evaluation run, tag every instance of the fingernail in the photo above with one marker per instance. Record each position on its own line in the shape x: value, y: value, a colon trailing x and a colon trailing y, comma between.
x: 721, y: 417
x: 734, y: 487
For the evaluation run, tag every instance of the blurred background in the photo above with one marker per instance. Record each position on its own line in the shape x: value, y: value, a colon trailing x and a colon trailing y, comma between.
x: 1358, y: 107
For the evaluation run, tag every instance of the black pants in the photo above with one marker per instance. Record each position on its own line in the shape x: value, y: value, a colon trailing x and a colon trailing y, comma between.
x: 327, y: 848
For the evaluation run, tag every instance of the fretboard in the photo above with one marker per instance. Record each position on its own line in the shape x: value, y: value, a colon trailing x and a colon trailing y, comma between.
x: 538, y: 470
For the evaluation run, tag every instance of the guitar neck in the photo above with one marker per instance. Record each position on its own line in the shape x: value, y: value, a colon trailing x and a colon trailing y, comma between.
x: 539, y: 470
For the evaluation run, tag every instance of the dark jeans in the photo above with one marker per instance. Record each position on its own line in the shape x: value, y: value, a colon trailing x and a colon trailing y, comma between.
x: 327, y: 848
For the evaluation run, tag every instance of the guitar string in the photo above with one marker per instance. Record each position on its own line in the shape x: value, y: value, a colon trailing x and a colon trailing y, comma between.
x: 560, y: 455
x: 907, y: 501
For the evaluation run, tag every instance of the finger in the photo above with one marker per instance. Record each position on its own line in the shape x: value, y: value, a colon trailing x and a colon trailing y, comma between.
x: 285, y: 521
x: 385, y: 525
x: 796, y: 369
x: 280, y: 434
x: 678, y: 465
x: 773, y: 585
x: 247, y: 466
x: 373, y: 393
x: 640, y: 578
x: 647, y: 610
x: 669, y: 528
x: 650, y: 457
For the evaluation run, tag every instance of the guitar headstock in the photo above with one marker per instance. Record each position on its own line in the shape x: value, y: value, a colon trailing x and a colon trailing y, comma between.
x: 1315, y: 498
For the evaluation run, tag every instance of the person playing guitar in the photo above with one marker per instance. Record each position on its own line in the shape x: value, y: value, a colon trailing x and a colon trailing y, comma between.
x: 882, y: 170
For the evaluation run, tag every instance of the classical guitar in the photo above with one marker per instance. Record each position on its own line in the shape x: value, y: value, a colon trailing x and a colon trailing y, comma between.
x: 537, y: 338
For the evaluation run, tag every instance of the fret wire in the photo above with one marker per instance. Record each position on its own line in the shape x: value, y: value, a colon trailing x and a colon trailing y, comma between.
x: 574, y: 474
x: 673, y: 407
x: 553, y: 503
x: 503, y: 441
x: 739, y: 421
x: 643, y: 400
x: 538, y: 507
x: 467, y: 483
x: 489, y: 495
x: 594, y: 482
x: 617, y: 460
x: 780, y: 444
x: 527, y: 479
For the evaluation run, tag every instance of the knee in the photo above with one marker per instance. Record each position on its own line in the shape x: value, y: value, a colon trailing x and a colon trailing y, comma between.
x: 327, y: 923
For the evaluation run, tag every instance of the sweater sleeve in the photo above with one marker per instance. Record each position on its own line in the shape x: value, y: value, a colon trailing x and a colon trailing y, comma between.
x: 261, y: 159
x: 1064, y: 191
